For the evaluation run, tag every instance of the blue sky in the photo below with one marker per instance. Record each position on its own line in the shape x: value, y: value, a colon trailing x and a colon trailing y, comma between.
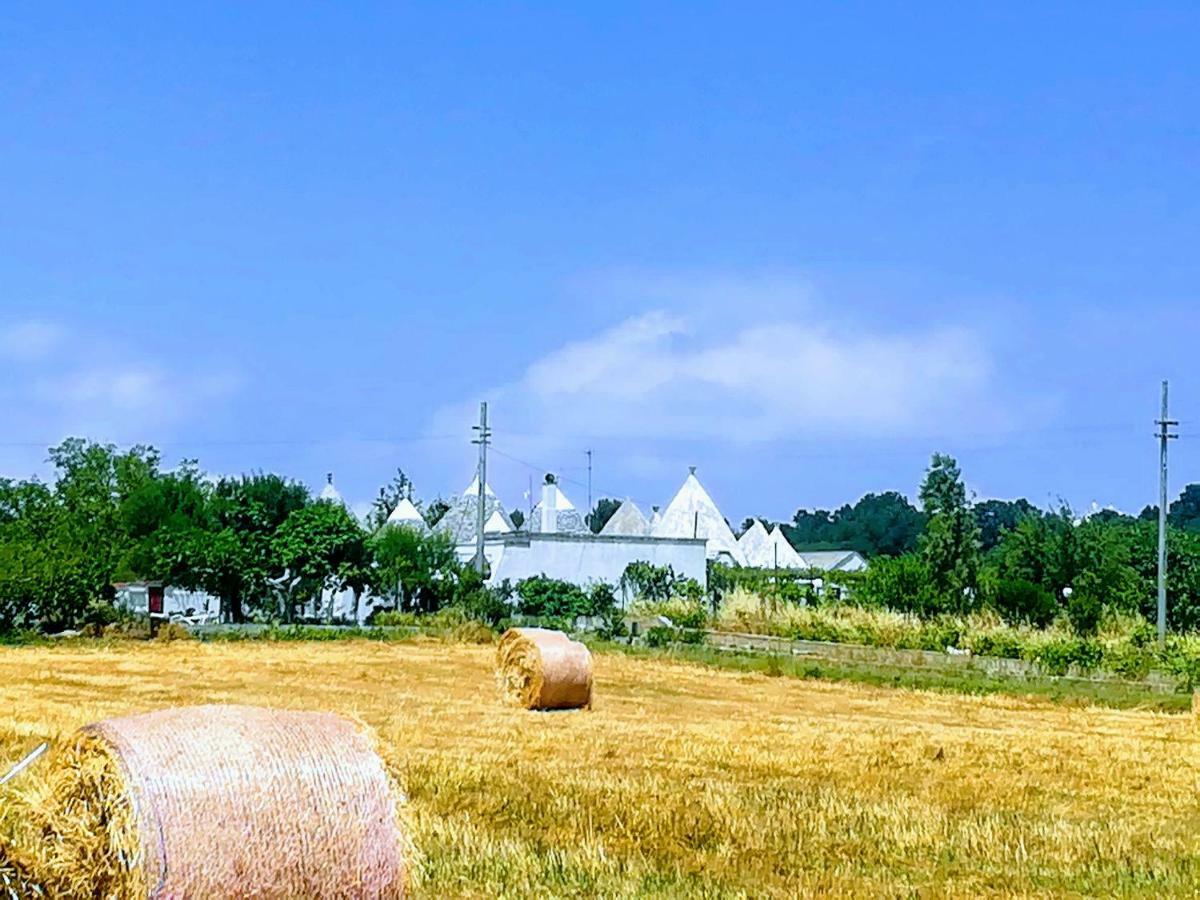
x: 799, y: 246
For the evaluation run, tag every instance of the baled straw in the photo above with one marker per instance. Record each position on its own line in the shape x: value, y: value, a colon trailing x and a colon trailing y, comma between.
x: 221, y: 801
x: 542, y: 669
x: 16, y: 879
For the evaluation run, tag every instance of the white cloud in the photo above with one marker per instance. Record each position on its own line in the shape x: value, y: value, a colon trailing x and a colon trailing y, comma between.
x: 91, y: 385
x: 111, y: 396
x: 755, y: 373
x: 30, y: 340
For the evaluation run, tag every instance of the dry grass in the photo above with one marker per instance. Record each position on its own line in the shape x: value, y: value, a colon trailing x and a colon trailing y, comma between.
x: 685, y: 781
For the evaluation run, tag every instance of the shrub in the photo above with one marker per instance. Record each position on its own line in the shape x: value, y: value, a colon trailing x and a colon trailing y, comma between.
x: 487, y: 605
x: 169, y: 632
x: 601, y: 599
x: 661, y: 636
x: 1084, y: 610
x: 683, y: 613
x: 472, y: 632
x: 902, y: 584
x: 549, y: 597
x: 1022, y: 602
x: 654, y: 584
x: 391, y: 618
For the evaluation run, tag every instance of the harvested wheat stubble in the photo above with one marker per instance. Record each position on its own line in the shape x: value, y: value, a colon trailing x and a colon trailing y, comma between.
x: 542, y: 669
x: 220, y: 801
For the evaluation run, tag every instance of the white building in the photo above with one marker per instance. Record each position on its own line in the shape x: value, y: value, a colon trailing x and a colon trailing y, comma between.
x: 627, y: 521
x: 693, y: 514
x: 580, y: 557
x: 406, y: 513
x: 461, y: 520
x: 554, y: 513
x: 755, y: 544
x: 835, y: 560
x: 781, y: 554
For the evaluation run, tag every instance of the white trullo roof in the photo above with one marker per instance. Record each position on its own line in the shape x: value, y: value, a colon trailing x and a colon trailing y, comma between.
x: 329, y: 492
x: 782, y: 553
x: 628, y: 521
x: 566, y: 517
x: 460, y: 521
x: 497, y: 523
x: 756, y: 546
x: 692, y: 513
x: 406, y: 513
x: 655, y: 518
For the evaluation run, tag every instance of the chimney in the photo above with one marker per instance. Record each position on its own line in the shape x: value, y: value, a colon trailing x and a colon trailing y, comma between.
x: 549, y: 507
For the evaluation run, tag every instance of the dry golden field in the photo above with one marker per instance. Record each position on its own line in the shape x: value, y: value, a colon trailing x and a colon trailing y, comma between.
x: 687, y: 781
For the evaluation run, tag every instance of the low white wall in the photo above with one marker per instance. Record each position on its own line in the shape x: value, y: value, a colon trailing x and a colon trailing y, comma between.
x: 586, y: 559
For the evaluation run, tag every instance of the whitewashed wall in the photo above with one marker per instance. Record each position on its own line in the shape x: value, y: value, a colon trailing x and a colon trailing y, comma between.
x: 584, y: 560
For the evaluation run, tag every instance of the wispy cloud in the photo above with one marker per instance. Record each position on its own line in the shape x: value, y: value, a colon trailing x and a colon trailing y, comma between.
x: 70, y: 382
x: 29, y: 340
x: 744, y: 368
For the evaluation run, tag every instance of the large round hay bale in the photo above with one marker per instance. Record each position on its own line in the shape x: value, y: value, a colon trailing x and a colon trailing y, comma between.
x: 220, y: 801
x: 542, y: 669
x: 17, y: 881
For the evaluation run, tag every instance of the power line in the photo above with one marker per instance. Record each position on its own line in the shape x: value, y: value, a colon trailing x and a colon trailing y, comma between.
x: 574, y: 481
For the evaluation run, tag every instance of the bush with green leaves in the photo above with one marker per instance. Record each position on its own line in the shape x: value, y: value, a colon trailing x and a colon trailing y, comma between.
x: 653, y: 584
x: 1021, y: 602
x: 542, y: 597
x: 487, y: 605
x: 900, y: 583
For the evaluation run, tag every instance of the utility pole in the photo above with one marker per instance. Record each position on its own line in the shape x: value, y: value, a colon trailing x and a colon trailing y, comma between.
x: 481, y: 519
x: 589, y: 507
x: 1164, y: 436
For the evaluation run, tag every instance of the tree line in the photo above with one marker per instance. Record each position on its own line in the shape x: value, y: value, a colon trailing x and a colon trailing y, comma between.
x: 1033, y: 566
x: 259, y: 542
x: 266, y: 547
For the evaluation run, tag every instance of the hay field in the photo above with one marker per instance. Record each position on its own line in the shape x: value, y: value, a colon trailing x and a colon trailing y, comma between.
x: 685, y: 781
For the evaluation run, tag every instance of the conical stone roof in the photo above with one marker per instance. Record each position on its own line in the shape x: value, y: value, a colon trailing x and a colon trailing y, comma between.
x: 692, y: 513
x: 780, y: 549
x: 566, y: 517
x: 627, y: 520
x: 461, y: 521
x: 756, y: 545
x: 406, y: 513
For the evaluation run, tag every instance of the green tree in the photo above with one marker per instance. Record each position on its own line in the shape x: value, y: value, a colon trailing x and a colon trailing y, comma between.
x: 435, y: 510
x: 238, y: 555
x: 885, y: 524
x: 995, y: 517
x: 390, y: 495
x: 323, y: 545
x: 901, y: 583
x: 950, y: 545
x: 1184, y: 513
x: 419, y: 570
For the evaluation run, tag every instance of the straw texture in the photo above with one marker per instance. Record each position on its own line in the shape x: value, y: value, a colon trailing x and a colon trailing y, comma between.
x: 16, y: 881
x: 542, y: 669
x: 221, y: 801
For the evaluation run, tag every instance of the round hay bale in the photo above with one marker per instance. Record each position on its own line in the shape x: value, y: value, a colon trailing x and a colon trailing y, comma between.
x: 221, y: 801
x: 16, y: 878
x: 537, y: 668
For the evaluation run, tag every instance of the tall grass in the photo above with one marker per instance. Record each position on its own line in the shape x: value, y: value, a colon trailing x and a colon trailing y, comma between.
x: 692, y: 782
